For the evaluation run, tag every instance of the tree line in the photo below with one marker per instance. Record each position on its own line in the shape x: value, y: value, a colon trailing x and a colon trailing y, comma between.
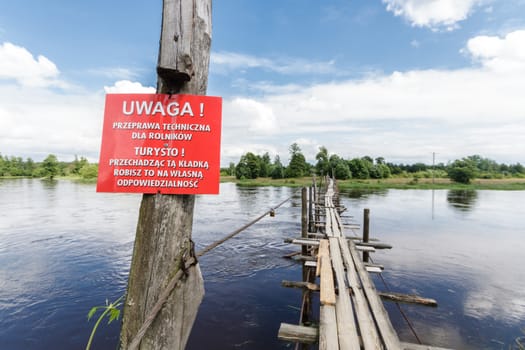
x: 252, y: 166
x: 50, y: 167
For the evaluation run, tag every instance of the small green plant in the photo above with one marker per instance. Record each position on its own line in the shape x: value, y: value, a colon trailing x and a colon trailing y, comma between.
x: 111, y: 310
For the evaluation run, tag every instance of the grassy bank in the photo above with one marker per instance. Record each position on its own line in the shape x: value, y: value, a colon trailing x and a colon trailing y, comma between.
x: 508, y: 184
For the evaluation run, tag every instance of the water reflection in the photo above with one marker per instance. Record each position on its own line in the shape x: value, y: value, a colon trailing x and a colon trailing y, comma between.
x: 473, y: 265
x: 360, y: 193
x: 462, y: 200
x: 65, y: 248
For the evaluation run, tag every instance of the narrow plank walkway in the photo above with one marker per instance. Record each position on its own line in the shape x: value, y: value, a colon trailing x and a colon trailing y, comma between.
x: 360, y: 318
x: 352, y: 315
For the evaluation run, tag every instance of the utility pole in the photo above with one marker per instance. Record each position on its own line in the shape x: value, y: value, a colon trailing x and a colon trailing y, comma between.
x: 433, y: 166
x: 163, y: 244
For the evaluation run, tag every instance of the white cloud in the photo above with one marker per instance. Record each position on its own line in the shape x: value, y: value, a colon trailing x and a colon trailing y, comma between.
x: 260, y: 116
x: 230, y: 61
x: 405, y: 116
x: 500, y: 54
x: 36, y: 119
x: 18, y: 64
x: 129, y: 87
x: 435, y: 14
x: 37, y: 122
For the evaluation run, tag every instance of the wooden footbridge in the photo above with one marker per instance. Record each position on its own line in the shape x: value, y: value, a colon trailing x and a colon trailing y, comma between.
x: 351, y: 315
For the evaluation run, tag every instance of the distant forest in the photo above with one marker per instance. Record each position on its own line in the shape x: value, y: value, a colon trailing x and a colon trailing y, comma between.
x: 49, y: 168
x: 252, y: 166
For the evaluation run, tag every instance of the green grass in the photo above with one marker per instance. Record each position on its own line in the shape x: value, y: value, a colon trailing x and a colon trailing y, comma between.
x: 507, y: 184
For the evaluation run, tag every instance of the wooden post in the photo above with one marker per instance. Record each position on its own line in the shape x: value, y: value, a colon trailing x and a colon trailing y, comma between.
x: 163, y: 238
x: 310, y: 210
x: 304, y: 219
x: 366, y: 232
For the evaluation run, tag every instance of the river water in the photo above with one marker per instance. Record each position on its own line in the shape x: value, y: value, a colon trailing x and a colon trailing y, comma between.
x: 65, y: 248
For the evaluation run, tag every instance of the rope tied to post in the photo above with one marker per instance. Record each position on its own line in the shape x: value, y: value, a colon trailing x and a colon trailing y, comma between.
x: 188, y: 261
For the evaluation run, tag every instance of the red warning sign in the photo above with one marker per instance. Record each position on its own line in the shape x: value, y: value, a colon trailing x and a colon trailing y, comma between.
x: 156, y: 143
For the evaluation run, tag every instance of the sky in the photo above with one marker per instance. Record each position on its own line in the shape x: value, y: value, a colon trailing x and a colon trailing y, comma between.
x: 398, y: 79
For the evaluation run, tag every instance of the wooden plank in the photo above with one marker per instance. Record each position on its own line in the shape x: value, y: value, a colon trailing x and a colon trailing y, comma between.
x: 388, y: 334
x: 295, y: 333
x: 373, y: 269
x: 296, y: 284
x: 346, y: 326
x: 376, y: 245
x: 303, y: 241
x: 327, y: 328
x: 328, y: 223
x: 310, y: 263
x: 356, y: 226
x: 299, y: 257
x: 408, y: 298
x: 375, y: 265
x: 327, y: 277
x: 363, y: 248
x: 369, y: 333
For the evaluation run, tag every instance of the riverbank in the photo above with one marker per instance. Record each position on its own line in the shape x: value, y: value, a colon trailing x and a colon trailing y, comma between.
x: 507, y: 184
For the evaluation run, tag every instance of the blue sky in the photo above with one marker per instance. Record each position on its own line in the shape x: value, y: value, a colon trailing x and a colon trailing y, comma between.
x: 399, y: 79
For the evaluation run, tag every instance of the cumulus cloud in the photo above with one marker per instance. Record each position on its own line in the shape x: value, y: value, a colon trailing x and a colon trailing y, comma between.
x: 129, y: 87
x: 18, y: 64
x: 260, y: 116
x: 36, y: 119
x: 403, y: 116
x: 409, y: 114
x: 505, y: 54
x: 435, y: 14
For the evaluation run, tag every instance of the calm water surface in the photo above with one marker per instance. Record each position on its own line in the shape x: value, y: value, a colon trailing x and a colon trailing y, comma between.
x: 65, y: 248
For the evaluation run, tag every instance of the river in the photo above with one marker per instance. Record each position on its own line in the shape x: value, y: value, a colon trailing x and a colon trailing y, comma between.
x: 65, y: 248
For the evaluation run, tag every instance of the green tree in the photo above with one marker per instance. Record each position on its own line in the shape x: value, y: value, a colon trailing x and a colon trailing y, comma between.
x: 380, y: 171
x: 29, y: 167
x: 265, y: 165
x: 297, y: 166
x: 77, y: 164
x: 394, y: 169
x: 2, y: 166
x: 50, y: 166
x: 277, y: 171
x: 322, y: 166
x: 462, y: 171
x: 339, y: 167
x: 231, y: 169
x: 359, y: 168
x: 248, y: 167
x: 341, y: 171
x: 380, y: 160
x: 89, y: 171
x: 517, y: 169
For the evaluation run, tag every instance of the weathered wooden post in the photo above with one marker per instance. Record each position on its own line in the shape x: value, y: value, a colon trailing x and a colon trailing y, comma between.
x: 304, y: 219
x: 163, y: 243
x: 366, y: 232
x: 310, y: 210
